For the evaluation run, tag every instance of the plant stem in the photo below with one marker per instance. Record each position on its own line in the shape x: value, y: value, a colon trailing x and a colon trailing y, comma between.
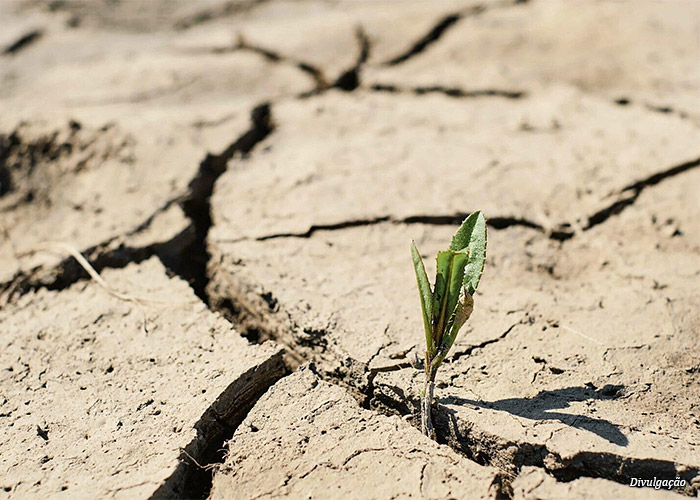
x: 427, y: 403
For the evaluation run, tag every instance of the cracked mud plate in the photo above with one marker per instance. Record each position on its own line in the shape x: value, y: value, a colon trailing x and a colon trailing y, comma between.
x: 573, y: 345
x: 106, y: 398
x: 278, y: 157
x: 308, y: 438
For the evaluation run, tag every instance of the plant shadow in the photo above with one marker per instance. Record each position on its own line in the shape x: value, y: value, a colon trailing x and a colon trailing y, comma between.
x: 539, y: 407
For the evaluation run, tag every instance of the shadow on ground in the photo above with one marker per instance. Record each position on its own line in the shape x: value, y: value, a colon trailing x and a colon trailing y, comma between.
x: 539, y: 408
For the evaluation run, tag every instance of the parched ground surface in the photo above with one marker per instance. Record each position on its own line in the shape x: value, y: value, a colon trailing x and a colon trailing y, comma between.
x: 246, y: 177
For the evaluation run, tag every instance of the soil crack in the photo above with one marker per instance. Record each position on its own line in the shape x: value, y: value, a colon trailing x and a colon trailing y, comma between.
x: 197, y: 204
x: 313, y: 71
x: 193, y: 476
x: 496, y: 222
x: 184, y: 254
x: 559, y: 232
x: 460, y: 354
x: 489, y: 449
x: 629, y: 194
x: 441, y: 27
x: 486, y: 448
x: 223, y: 10
x: 431, y: 37
x: 656, y: 108
x: 327, y: 227
x: 105, y: 255
x: 350, y: 79
x: 455, y: 92
x: 23, y: 42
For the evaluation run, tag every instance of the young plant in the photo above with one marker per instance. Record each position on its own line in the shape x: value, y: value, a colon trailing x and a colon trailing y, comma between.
x: 448, y: 305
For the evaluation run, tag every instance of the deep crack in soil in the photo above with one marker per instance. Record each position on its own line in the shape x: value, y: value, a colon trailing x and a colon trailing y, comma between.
x: 196, y: 206
x: 488, y: 449
x: 185, y: 254
x: 103, y: 256
x: 193, y: 477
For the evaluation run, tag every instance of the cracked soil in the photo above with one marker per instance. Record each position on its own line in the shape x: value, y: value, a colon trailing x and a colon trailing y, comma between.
x: 246, y: 176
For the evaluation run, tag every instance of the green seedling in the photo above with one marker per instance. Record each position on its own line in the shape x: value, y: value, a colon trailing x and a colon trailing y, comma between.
x: 448, y: 305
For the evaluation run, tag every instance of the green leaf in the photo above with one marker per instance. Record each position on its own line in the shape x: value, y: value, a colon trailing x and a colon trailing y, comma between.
x: 448, y: 284
x: 471, y: 238
x: 461, y: 315
x: 426, y: 296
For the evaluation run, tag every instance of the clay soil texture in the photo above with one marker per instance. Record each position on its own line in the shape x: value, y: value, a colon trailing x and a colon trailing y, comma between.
x: 206, y: 289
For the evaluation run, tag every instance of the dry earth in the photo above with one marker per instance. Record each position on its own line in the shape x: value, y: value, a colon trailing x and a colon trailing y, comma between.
x: 246, y: 176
